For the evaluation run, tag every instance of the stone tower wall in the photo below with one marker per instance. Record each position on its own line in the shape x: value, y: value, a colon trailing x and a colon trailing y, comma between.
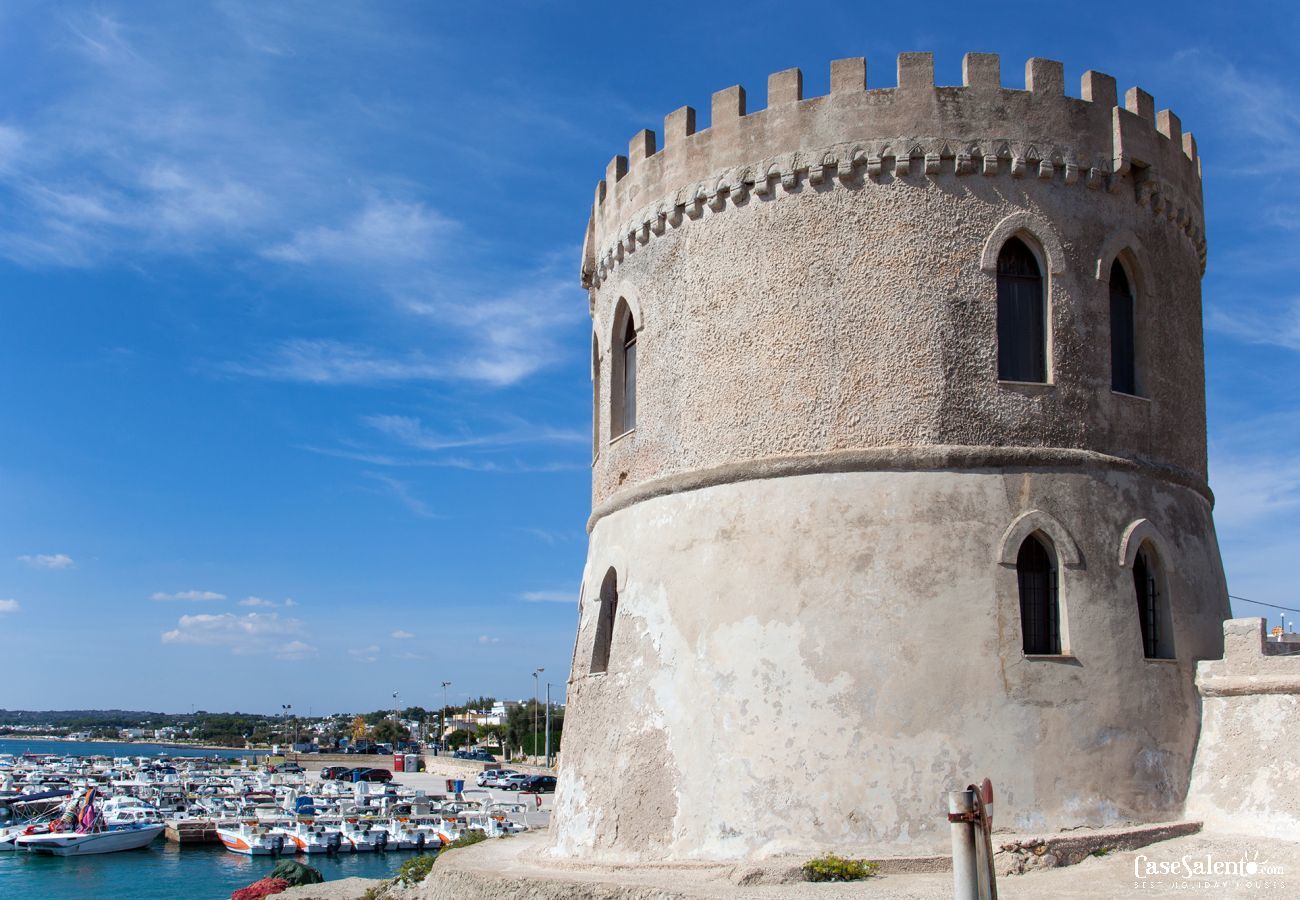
x: 813, y: 526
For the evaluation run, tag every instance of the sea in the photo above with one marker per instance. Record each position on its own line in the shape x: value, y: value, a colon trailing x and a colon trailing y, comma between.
x: 161, y: 871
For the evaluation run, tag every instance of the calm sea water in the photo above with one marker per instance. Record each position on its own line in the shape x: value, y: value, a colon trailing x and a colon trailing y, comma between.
x: 161, y: 871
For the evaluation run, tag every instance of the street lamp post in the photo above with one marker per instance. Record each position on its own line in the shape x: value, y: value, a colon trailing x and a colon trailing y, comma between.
x: 548, y: 724
x: 442, y: 734
x: 539, y: 670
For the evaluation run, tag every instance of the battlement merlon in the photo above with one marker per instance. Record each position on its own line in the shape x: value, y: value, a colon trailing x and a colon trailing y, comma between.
x: 977, y: 127
x: 1251, y: 664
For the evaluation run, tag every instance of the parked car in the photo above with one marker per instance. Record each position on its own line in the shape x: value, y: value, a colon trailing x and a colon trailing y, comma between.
x: 488, y: 775
x: 499, y: 780
x: 291, y: 768
x: 539, y: 784
x: 333, y: 773
x: 512, y: 782
x: 382, y: 775
x: 479, y: 756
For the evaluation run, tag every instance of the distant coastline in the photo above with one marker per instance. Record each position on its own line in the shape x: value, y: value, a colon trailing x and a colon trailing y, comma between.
x: 63, y: 740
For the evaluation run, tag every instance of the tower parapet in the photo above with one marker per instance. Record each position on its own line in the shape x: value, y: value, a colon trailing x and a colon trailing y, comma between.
x: 912, y: 131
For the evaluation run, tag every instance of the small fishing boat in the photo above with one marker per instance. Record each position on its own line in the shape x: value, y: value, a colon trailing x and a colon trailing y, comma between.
x: 309, y: 837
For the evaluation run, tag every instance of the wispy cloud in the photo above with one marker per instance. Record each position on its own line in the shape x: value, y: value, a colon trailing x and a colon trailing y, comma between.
x: 368, y: 654
x: 9, y: 606
x: 48, y: 560
x: 403, y: 492
x: 188, y: 595
x: 248, y: 634
x: 549, y: 597
x: 263, y: 603
x: 488, y: 639
x: 383, y: 232
x: 1276, y: 324
x: 402, y: 635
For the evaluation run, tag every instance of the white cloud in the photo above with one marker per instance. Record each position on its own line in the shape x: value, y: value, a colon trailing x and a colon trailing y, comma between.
x: 9, y: 606
x: 263, y: 603
x: 549, y: 597
x: 368, y: 654
x: 296, y: 650
x: 382, y: 231
x: 248, y: 634
x: 402, y: 635
x: 188, y: 595
x: 485, y: 639
x: 48, y: 560
x: 324, y: 361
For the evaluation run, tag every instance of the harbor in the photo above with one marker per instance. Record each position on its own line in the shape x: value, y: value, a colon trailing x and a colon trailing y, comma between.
x: 225, y: 822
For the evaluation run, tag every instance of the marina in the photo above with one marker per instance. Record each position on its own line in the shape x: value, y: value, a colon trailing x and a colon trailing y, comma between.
x: 222, y: 822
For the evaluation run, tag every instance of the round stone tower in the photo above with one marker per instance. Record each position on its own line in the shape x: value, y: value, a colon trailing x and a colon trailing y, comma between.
x: 899, y: 474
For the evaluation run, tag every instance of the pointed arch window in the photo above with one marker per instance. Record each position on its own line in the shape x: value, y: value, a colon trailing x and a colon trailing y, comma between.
x: 1123, y: 333
x: 1022, y: 319
x: 595, y: 396
x: 623, y: 377
x: 1153, y: 606
x: 1040, y: 616
x: 605, y: 623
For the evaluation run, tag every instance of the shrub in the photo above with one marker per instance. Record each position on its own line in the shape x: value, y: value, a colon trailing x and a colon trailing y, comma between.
x: 413, y: 871
x: 467, y: 839
x: 836, y: 868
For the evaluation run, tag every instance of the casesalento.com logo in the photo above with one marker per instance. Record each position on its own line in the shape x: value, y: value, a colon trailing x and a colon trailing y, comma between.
x: 1203, y: 873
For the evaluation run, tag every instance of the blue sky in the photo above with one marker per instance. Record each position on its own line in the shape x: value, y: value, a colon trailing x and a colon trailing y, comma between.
x: 293, y: 358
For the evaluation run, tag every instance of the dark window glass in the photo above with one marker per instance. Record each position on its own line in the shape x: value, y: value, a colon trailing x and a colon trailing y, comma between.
x: 1022, y: 335
x: 595, y: 397
x: 605, y: 622
x: 1039, y: 612
x: 629, y: 377
x: 1153, y: 608
x: 1123, y: 348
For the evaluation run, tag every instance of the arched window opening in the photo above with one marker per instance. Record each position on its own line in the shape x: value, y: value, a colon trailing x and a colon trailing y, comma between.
x: 1022, y: 320
x: 623, y: 377
x: 1153, y: 607
x: 1123, y: 333
x: 605, y: 622
x: 595, y: 397
x: 1040, y: 619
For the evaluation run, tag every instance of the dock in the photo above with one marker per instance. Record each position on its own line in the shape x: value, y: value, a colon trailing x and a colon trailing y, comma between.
x: 192, y: 831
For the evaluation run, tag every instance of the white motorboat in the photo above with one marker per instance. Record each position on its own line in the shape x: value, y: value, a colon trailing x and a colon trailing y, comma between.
x: 253, y: 839
x: 359, y: 838
x: 102, y: 839
x: 309, y: 837
x: 404, y: 835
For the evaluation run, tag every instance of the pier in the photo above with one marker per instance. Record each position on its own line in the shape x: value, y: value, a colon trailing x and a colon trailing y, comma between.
x: 192, y: 831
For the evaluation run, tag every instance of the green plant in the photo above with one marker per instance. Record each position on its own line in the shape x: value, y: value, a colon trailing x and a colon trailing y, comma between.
x: 413, y: 871
x: 466, y: 839
x: 836, y: 868
x: 1102, y: 851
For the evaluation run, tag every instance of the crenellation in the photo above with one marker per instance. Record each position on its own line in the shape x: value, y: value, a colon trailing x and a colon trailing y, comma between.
x: 981, y: 71
x: 848, y: 75
x: 1099, y: 88
x: 784, y: 87
x: 641, y: 147
x: 1041, y: 133
x: 728, y: 106
x: 678, y: 126
x: 1189, y: 147
x: 1170, y: 126
x: 615, y: 170
x: 1045, y: 76
x: 915, y: 71
x: 1140, y: 103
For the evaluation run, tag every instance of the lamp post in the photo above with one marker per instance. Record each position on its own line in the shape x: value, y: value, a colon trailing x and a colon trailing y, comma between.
x: 442, y: 734
x: 286, y: 707
x: 537, y: 672
x: 548, y: 724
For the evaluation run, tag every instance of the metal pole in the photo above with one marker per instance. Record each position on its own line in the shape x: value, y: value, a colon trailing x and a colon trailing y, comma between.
x: 961, y: 816
x: 548, y: 724
x: 443, y: 732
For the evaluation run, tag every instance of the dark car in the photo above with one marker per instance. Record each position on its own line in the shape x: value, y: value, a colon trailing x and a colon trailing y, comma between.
x: 539, y: 784
x: 333, y: 773
x: 364, y: 773
x: 479, y: 756
x: 293, y: 768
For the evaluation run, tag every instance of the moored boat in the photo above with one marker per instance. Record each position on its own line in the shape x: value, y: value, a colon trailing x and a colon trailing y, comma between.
x: 252, y: 839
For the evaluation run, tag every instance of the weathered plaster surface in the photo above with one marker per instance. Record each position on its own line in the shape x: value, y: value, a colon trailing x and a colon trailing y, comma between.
x: 1247, y: 772
x: 818, y: 630
x: 808, y: 662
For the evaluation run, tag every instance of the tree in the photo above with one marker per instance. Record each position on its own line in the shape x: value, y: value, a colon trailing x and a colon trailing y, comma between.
x: 458, y: 738
x: 359, y: 729
x: 492, y: 734
x: 390, y: 732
